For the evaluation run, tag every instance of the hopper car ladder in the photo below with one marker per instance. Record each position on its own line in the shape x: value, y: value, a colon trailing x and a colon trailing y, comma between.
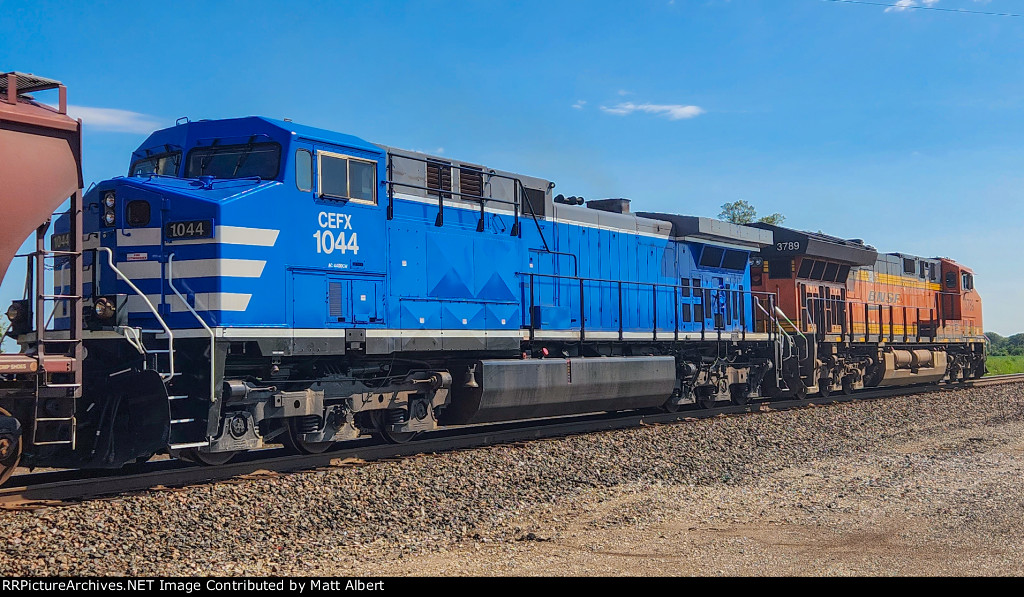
x: 57, y: 359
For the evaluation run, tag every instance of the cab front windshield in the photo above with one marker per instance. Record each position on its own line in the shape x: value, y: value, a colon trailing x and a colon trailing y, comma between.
x: 260, y: 160
x: 164, y: 164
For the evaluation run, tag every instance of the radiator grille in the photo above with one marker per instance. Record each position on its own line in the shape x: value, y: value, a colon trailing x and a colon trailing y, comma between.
x: 334, y: 299
x: 471, y: 182
x: 439, y: 178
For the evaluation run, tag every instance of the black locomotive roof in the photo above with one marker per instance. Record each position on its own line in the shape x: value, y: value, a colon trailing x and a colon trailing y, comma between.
x: 707, y: 229
x: 789, y: 242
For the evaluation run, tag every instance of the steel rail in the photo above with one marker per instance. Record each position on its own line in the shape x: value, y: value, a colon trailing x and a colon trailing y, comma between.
x: 52, y: 488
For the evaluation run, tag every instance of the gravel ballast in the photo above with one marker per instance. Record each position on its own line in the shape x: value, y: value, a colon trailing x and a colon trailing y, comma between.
x: 945, y: 462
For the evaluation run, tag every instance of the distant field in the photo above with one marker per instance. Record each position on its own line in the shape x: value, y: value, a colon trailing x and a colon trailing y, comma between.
x: 1003, y: 365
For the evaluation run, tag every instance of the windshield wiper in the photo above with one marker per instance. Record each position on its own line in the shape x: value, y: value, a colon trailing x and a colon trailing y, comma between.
x: 203, y: 163
x: 244, y: 156
x: 241, y: 160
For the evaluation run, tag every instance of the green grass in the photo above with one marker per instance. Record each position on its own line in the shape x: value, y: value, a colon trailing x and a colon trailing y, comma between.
x: 1003, y: 365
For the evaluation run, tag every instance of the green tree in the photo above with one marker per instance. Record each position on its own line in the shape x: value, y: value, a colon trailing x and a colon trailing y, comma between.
x: 996, y: 344
x: 4, y: 326
x: 738, y: 212
x: 742, y: 212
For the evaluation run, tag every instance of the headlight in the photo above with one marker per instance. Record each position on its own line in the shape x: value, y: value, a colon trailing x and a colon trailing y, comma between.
x: 109, y: 198
x: 109, y: 218
x: 104, y: 308
x: 15, y: 312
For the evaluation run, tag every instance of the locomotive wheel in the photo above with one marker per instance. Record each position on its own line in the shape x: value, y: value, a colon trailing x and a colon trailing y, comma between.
x: 847, y: 386
x: 670, y: 407
x: 801, y: 392
x: 136, y: 466
x: 825, y: 387
x: 398, y: 437
x: 206, y: 458
x: 740, y: 395
x: 707, y: 401
x: 392, y: 437
x: 10, y: 454
x: 295, y: 443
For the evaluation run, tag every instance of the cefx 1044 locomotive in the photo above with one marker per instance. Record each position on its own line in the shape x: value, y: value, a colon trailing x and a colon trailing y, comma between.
x: 255, y: 281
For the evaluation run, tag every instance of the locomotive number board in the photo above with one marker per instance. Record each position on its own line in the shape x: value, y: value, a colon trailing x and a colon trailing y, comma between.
x: 61, y: 242
x: 189, y: 229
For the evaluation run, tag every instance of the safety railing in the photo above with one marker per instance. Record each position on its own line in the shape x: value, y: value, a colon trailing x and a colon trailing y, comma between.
x: 728, y: 310
x: 152, y: 309
x: 519, y: 194
x: 213, y: 337
x: 858, y: 321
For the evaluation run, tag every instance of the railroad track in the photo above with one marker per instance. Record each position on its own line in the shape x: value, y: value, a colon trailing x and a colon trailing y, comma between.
x: 59, y: 487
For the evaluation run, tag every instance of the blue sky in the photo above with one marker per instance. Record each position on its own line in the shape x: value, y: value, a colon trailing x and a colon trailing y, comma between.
x: 902, y: 127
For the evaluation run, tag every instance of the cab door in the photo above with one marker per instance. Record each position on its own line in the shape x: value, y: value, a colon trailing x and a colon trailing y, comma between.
x: 347, y: 217
x: 715, y: 301
x: 950, y: 305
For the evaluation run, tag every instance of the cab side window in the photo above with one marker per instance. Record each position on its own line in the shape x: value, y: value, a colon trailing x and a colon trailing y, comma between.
x: 303, y: 170
x: 347, y: 178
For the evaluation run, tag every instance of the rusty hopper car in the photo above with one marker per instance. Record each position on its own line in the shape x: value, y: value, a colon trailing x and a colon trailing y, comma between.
x: 40, y: 166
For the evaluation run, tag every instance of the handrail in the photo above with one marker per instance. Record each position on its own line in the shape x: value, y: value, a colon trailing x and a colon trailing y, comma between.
x: 213, y: 337
x: 654, y: 287
x: 914, y: 317
x: 152, y: 309
x: 789, y: 339
x: 796, y: 328
x: 782, y: 314
x: 518, y: 193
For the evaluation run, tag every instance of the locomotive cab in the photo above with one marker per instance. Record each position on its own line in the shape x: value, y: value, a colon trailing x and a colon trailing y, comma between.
x: 959, y: 304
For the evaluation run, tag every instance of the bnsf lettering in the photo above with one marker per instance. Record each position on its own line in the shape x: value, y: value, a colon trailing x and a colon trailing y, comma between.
x: 885, y: 297
x: 329, y: 241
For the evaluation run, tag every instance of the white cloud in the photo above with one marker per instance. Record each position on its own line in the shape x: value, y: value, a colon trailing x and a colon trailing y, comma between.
x: 670, y: 111
x: 579, y: 104
x: 902, y: 5
x: 111, y: 119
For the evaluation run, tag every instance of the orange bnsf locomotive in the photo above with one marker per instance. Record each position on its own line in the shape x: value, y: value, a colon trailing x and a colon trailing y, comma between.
x: 858, y: 318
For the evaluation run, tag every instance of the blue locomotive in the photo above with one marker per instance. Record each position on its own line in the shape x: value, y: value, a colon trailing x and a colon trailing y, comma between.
x: 255, y: 281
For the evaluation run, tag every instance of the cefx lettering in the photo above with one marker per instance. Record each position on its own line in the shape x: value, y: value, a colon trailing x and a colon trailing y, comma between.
x: 335, y: 221
x: 332, y: 236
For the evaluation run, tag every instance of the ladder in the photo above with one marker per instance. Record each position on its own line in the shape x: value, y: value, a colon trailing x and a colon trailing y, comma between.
x: 59, y: 382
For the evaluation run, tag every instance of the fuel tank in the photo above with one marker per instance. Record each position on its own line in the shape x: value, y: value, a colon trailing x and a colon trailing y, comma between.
x: 906, y: 367
x: 40, y: 165
x: 525, y: 389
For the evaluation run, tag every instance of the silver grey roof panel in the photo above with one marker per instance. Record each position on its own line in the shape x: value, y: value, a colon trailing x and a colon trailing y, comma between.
x: 710, y: 230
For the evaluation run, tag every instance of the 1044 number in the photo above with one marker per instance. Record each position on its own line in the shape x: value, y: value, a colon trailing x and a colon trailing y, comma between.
x: 327, y: 242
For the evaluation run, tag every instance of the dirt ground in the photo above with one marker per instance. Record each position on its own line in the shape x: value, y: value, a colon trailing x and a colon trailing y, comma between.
x: 948, y: 504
